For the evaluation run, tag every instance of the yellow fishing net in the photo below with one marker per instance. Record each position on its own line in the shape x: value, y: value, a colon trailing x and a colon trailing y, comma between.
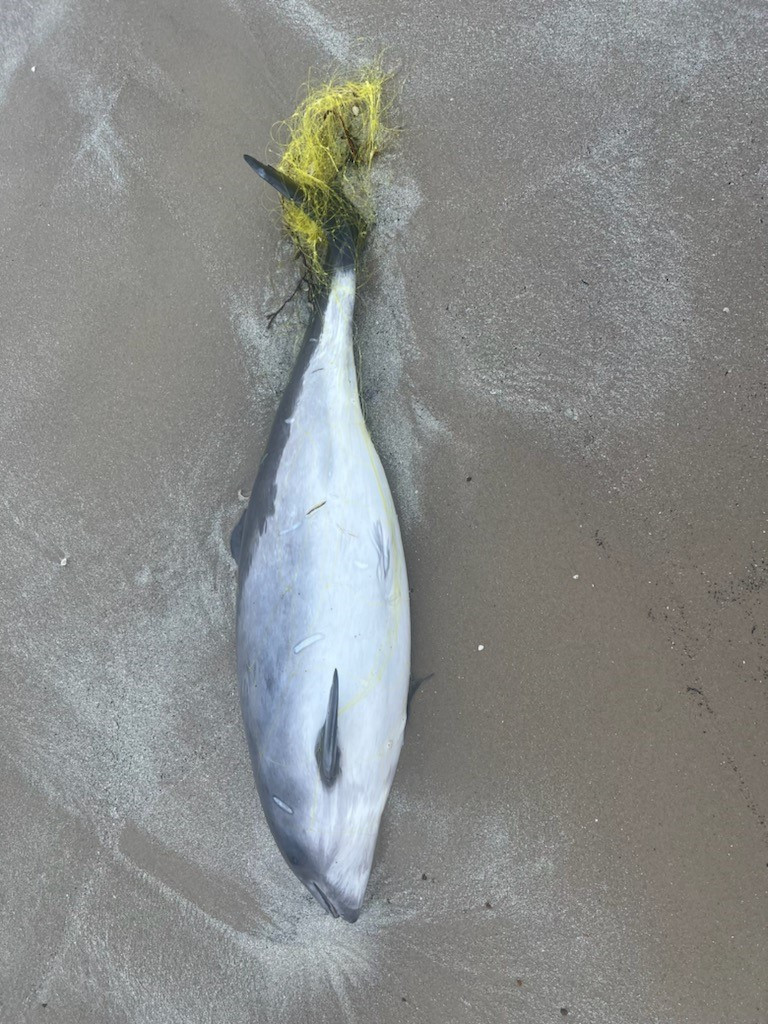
x: 328, y: 146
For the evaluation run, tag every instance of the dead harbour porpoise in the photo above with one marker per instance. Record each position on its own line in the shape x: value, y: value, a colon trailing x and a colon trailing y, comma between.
x: 323, y: 618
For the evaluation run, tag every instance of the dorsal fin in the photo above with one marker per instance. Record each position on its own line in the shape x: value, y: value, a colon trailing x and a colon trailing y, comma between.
x: 327, y: 750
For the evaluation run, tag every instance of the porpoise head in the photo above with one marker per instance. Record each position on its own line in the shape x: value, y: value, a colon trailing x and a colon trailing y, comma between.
x: 324, y: 820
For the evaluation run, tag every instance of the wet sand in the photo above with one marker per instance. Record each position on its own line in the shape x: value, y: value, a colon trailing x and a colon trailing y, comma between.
x: 562, y: 352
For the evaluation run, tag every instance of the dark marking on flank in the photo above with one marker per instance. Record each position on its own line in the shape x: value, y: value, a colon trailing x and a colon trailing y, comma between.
x: 261, y: 505
x: 316, y: 507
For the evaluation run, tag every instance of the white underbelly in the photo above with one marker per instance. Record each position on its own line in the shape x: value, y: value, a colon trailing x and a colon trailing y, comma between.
x: 328, y: 583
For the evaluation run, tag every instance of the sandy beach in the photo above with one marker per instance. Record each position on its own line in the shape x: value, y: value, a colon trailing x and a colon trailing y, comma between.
x: 561, y: 333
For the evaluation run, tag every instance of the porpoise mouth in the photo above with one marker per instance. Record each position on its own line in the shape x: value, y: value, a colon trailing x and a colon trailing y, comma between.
x: 322, y: 899
x: 350, y: 914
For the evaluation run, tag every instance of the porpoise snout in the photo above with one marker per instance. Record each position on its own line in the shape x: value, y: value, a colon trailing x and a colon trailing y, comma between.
x: 349, y: 913
x: 335, y: 907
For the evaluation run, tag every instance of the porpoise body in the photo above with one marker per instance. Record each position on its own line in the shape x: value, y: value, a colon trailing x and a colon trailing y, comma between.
x: 323, y: 620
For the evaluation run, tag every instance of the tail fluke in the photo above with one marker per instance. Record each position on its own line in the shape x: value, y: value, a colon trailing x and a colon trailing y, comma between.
x: 323, y: 173
x: 287, y: 188
x: 340, y: 230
